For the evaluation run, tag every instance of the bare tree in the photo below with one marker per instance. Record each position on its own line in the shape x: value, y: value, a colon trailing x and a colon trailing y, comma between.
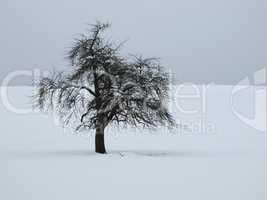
x: 105, y: 87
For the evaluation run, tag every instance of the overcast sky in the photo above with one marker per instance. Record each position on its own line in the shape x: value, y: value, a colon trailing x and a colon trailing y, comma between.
x: 199, y: 40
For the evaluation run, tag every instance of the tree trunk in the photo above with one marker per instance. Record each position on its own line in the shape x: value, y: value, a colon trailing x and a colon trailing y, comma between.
x: 99, y: 140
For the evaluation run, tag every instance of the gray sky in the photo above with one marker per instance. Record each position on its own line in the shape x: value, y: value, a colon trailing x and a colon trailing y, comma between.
x: 200, y: 41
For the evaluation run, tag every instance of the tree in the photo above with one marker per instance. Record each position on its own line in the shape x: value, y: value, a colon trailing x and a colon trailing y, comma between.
x: 105, y: 87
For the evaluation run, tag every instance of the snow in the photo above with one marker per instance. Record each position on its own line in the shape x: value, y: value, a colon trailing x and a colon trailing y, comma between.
x: 227, y: 161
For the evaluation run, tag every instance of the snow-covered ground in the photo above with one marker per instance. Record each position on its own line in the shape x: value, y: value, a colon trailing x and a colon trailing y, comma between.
x: 215, y: 155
